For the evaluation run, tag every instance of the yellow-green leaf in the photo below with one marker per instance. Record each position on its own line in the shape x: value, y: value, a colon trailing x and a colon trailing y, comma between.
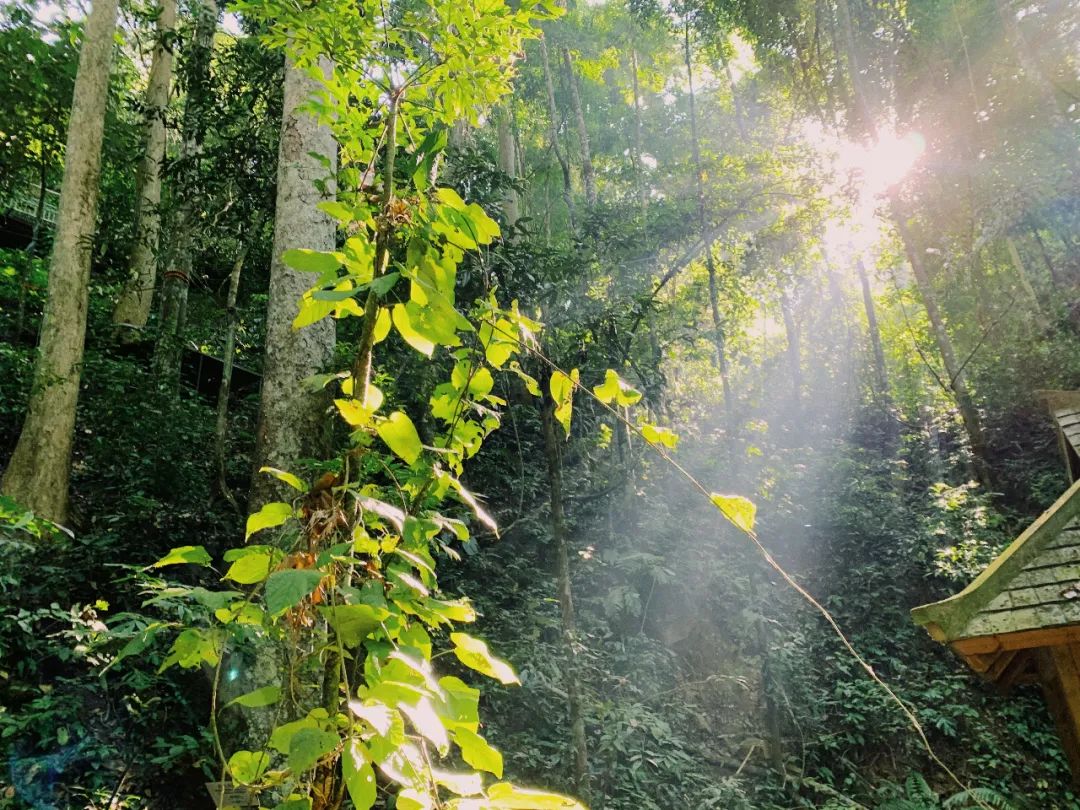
x: 409, y: 333
x: 474, y: 653
x: 400, y: 435
x: 196, y: 555
x: 476, y: 751
x: 615, y: 390
x: 561, y: 386
x: 359, y: 776
x: 287, y: 477
x: 737, y: 509
x: 267, y: 696
x: 272, y: 514
x: 250, y: 568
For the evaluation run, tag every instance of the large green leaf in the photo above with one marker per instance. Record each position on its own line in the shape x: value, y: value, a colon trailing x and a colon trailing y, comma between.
x: 247, y: 766
x: 400, y: 435
x: 359, y: 775
x: 196, y: 555
x: 615, y: 390
x: 266, y: 696
x: 561, y: 386
x: 352, y: 623
x: 250, y: 568
x: 308, y: 746
x: 505, y: 796
x: 284, y: 589
x: 476, y: 751
x: 310, y: 261
x: 474, y: 653
x: 272, y: 514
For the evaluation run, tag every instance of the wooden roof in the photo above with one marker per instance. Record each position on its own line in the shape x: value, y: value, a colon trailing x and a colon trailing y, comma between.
x: 1033, y: 585
x: 1065, y: 406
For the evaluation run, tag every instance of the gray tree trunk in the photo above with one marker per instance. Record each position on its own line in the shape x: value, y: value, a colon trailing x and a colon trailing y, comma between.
x: 588, y: 174
x: 291, y: 418
x: 507, y: 160
x: 133, y: 306
x: 37, y: 475
x: 553, y: 134
x: 881, y: 375
x: 177, y: 277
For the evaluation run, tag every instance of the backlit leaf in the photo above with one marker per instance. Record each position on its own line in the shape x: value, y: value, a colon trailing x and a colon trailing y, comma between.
x: 267, y: 696
x: 272, y: 514
x: 359, y: 776
x: 400, y: 435
x: 474, y: 653
x: 196, y: 555
x: 737, y: 509
x: 476, y: 751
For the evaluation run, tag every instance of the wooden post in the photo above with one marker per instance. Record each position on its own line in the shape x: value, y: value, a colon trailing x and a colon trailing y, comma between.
x: 1059, y: 668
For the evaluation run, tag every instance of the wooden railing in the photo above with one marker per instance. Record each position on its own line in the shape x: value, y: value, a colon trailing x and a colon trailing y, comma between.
x: 22, y: 203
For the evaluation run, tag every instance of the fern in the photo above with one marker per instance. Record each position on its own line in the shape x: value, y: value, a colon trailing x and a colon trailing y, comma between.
x: 967, y: 799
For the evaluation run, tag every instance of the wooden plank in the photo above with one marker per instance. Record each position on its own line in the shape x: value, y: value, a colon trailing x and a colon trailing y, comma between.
x: 1030, y: 639
x: 1065, y: 704
x: 1002, y: 661
x: 1038, y: 577
x: 1051, y: 556
x: 1019, y: 670
x: 1058, y: 592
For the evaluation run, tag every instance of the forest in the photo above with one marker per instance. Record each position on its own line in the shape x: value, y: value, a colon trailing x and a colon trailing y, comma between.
x: 539, y: 404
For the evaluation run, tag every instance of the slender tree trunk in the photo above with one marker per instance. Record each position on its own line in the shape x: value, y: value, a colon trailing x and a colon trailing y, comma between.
x: 957, y: 380
x: 177, y: 278
x: 221, y: 426
x: 740, y: 120
x: 719, y: 337
x: 1041, y: 321
x: 37, y: 475
x: 553, y: 135
x: 507, y: 160
x: 881, y: 373
x: 794, y: 348
x: 1051, y: 268
x: 588, y: 175
x: 566, y: 601
x: 643, y: 189
x: 291, y: 420
x: 133, y: 306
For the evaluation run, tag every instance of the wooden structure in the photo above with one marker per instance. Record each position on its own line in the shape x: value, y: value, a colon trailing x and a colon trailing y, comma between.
x: 1019, y: 621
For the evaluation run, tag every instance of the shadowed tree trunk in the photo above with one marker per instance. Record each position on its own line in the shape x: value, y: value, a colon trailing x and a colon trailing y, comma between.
x: 719, y: 337
x: 37, y: 475
x: 177, y: 277
x: 553, y: 135
x: 507, y: 160
x: 133, y: 306
x: 291, y: 420
x: 566, y: 599
x: 588, y: 174
x: 881, y: 374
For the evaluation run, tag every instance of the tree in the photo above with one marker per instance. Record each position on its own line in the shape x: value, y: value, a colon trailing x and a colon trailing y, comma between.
x: 133, y: 306
x: 291, y: 417
x: 37, y: 475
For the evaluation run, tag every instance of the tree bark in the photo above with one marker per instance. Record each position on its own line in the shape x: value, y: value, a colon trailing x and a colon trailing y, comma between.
x: 566, y: 600
x: 957, y: 380
x: 1041, y: 321
x: 507, y: 161
x: 291, y: 418
x: 643, y: 190
x: 588, y: 174
x: 1051, y: 268
x: 221, y: 425
x: 177, y: 278
x: 37, y: 475
x: 133, y: 306
x: 881, y: 374
x: 719, y: 337
x: 553, y: 135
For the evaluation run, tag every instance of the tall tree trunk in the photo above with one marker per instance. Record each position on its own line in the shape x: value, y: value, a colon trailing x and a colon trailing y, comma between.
x: 881, y: 373
x: 32, y: 248
x: 291, y: 421
x: 507, y: 160
x: 719, y: 337
x: 957, y: 380
x: 643, y: 189
x: 566, y: 600
x: 177, y: 278
x: 221, y: 425
x: 133, y: 306
x: 1041, y: 321
x: 588, y: 175
x: 553, y: 135
x: 794, y: 348
x: 37, y: 475
x: 740, y: 121
x: 1051, y: 268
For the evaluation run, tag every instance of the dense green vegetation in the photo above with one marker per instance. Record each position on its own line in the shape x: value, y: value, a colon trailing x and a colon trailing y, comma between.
x: 666, y: 335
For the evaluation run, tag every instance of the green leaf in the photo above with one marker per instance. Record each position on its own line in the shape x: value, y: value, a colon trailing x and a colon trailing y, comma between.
x: 310, y: 261
x: 447, y: 196
x: 737, y: 509
x: 561, y: 386
x: 284, y: 589
x: 659, y: 435
x: 281, y: 737
x: 476, y: 751
x: 250, y: 568
x: 339, y: 211
x: 615, y: 390
x: 474, y: 653
x: 308, y: 746
x: 247, y: 766
x: 352, y: 623
x: 288, y: 477
x: 359, y: 775
x: 400, y: 436
x: 409, y: 333
x: 504, y: 796
x: 272, y: 514
x: 196, y: 555
x: 266, y: 696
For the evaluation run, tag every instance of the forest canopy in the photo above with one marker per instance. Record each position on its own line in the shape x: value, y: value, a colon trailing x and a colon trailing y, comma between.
x: 468, y: 406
